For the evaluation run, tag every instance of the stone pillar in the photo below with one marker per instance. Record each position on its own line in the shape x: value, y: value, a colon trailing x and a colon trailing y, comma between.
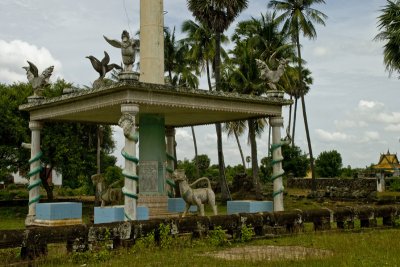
x: 127, y: 122
x: 380, y: 182
x: 277, y: 171
x: 152, y: 41
x: 34, y: 173
x: 170, y: 135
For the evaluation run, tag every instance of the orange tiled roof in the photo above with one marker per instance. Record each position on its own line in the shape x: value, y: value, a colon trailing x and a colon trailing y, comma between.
x: 388, y: 161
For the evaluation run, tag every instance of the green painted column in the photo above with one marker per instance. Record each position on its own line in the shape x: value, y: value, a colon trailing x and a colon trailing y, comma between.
x: 152, y: 154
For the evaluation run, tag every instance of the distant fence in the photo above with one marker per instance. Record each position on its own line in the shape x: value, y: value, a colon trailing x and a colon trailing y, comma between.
x: 33, y: 241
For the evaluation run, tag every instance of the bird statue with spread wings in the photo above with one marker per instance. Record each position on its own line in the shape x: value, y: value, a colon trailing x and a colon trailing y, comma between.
x: 37, y: 81
x: 102, y: 67
x: 272, y: 77
x: 128, y: 49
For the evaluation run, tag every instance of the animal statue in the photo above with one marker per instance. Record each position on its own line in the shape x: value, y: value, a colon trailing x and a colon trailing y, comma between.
x: 198, y: 196
x: 107, y: 195
x: 271, y: 76
x: 37, y: 81
x: 128, y: 49
x: 102, y: 67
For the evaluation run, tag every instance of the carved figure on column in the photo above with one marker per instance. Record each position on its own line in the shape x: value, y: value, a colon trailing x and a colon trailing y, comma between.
x: 38, y: 82
x: 128, y: 46
x: 102, y: 67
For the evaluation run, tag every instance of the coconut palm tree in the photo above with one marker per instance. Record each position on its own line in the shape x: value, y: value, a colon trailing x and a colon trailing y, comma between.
x: 236, y: 128
x: 180, y: 70
x: 389, y: 26
x: 298, y: 17
x: 218, y: 15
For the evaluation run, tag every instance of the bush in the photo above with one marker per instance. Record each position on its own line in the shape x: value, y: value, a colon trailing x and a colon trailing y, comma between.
x: 395, y: 185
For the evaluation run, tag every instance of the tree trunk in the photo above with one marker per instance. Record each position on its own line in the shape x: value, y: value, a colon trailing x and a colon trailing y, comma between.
x: 44, y: 176
x: 294, y: 119
x: 303, y: 104
x: 195, y: 152
x: 240, y: 149
x: 290, y: 116
x: 221, y: 164
x: 254, y: 159
x: 208, y: 76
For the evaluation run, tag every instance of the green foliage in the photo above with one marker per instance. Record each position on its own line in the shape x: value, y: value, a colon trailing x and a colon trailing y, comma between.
x: 144, y: 242
x: 246, y: 233
x: 328, y: 164
x: 395, y: 185
x: 231, y: 172
x: 113, y: 174
x: 217, y: 237
x: 203, y: 162
x: 189, y: 167
x: 348, y: 172
x: 165, y: 235
x: 295, y: 163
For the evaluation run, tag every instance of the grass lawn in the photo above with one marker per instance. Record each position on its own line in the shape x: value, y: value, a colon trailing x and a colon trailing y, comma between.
x: 364, y: 248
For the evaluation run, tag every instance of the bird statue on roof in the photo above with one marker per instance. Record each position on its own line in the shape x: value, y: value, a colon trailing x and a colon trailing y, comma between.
x: 272, y: 77
x: 37, y: 81
x: 102, y: 67
x: 128, y: 49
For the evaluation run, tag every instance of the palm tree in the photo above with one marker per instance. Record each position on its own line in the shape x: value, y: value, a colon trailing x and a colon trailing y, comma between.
x: 218, y: 16
x: 180, y: 70
x: 298, y: 17
x: 389, y: 22
x: 236, y: 128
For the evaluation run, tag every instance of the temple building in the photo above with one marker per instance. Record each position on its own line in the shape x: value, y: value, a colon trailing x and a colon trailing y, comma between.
x: 388, y: 164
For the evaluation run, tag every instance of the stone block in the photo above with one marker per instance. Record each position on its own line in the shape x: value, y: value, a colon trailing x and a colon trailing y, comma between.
x: 178, y: 205
x: 249, y: 206
x: 59, y: 211
x: 116, y: 214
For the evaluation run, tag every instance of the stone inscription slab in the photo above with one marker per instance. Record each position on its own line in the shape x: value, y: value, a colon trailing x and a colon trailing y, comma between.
x: 148, y: 173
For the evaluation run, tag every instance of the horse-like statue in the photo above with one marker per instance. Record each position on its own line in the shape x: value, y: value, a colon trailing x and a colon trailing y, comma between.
x: 107, y: 195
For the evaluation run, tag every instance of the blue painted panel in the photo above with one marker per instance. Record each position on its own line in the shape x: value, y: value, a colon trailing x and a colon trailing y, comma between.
x: 116, y: 214
x: 108, y: 214
x: 142, y: 213
x: 249, y: 206
x: 178, y: 205
x: 59, y: 211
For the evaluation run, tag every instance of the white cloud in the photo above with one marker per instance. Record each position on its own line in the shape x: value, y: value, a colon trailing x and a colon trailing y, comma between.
x: 331, y: 137
x: 14, y: 54
x: 369, y: 136
x: 393, y: 128
x: 350, y: 124
x: 365, y: 105
x: 320, y: 51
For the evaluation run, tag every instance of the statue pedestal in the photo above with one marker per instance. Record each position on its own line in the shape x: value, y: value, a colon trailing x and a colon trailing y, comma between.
x: 249, y: 206
x: 116, y: 214
x: 275, y: 93
x: 34, y: 98
x: 58, y: 214
x: 178, y: 205
x: 128, y: 76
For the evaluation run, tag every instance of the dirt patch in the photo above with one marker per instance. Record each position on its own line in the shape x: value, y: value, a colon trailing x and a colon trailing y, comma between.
x: 258, y: 253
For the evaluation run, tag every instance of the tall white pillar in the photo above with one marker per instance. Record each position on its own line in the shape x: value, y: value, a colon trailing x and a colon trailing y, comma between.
x: 277, y: 171
x: 127, y: 122
x: 170, y: 135
x: 34, y: 173
x: 152, y: 41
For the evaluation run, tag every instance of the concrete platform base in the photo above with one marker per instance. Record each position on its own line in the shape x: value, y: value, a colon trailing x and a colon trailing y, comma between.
x: 249, y: 206
x: 178, y: 205
x: 58, y: 214
x: 116, y: 214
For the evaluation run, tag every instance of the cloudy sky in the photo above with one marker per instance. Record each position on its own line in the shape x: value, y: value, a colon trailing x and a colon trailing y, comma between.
x: 351, y: 106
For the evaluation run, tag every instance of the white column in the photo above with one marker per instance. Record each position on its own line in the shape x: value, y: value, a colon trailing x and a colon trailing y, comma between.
x: 34, y: 173
x: 277, y: 171
x: 152, y: 41
x: 127, y: 122
x: 170, y: 134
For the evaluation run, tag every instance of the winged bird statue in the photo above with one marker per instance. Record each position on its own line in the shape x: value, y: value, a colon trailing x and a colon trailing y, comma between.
x: 272, y: 77
x: 37, y: 81
x: 102, y: 67
x: 128, y: 48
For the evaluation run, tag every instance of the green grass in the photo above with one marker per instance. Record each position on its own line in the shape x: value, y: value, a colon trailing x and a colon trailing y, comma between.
x: 367, y: 248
